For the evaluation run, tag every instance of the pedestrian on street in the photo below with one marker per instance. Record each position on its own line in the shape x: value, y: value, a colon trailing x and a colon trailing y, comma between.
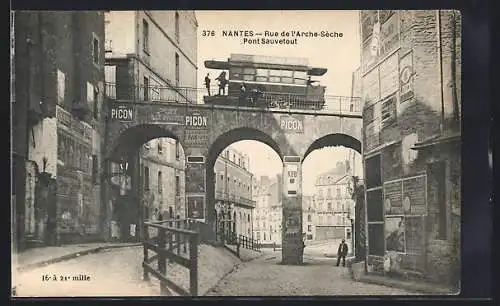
x: 342, y: 252
x: 207, y: 83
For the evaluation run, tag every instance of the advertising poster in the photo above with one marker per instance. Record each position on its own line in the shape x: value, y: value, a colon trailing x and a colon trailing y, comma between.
x: 395, y: 234
x: 196, y: 206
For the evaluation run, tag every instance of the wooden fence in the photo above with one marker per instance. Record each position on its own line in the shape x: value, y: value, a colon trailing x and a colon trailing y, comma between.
x: 173, y: 239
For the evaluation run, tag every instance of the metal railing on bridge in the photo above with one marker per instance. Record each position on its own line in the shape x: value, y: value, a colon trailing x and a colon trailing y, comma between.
x: 175, y: 241
x: 235, y: 198
x: 272, y: 101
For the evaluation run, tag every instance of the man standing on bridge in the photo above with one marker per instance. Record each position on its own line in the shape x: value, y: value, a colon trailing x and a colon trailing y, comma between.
x: 207, y: 83
x: 342, y: 252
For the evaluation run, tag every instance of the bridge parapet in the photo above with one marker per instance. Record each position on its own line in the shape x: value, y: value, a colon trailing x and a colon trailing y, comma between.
x: 267, y: 101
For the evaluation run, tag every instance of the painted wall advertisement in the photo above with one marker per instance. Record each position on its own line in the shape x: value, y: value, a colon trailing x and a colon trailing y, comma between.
x: 371, y: 87
x: 196, y: 174
x: 196, y: 206
x: 389, y: 75
x: 291, y: 179
x: 406, y: 77
x: 379, y: 38
x: 197, y: 129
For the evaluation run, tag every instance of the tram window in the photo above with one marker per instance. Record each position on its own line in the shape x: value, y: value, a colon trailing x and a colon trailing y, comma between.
x: 287, y: 80
x: 274, y: 79
x: 262, y: 72
x: 273, y: 72
x: 287, y: 73
x: 248, y: 77
x: 249, y: 70
x: 261, y: 79
x: 236, y: 73
x: 300, y: 74
x: 299, y: 81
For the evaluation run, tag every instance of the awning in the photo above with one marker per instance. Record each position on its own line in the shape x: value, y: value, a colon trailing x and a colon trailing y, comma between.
x: 437, y: 140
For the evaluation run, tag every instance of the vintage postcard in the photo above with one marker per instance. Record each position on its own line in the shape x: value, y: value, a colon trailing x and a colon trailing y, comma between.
x: 235, y: 153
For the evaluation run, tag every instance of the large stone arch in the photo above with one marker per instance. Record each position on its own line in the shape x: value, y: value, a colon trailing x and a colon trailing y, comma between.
x: 238, y: 134
x: 223, y: 141
x: 334, y: 139
x: 131, y: 138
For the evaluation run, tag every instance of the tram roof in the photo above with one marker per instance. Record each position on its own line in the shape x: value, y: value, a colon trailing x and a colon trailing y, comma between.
x: 314, y: 71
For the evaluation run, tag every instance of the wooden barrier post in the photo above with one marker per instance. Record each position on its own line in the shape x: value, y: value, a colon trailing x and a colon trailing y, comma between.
x: 193, y: 269
x: 145, y: 275
x: 162, y: 260
x: 178, y: 238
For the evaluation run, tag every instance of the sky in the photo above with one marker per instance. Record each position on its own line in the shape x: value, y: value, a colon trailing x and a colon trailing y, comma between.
x: 340, y: 55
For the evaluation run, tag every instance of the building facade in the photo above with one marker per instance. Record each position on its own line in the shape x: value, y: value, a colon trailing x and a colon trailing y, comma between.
x: 410, y: 79
x: 233, y: 188
x: 267, y: 193
x: 57, y: 126
x: 151, y: 55
x: 333, y: 205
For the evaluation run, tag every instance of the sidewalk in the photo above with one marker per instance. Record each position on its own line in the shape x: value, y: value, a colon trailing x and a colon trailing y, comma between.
x: 38, y: 257
x: 409, y: 285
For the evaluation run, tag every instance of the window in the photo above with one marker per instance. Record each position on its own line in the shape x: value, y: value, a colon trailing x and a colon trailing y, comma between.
x: 236, y: 73
x: 309, y: 218
x: 146, y: 178
x: 339, y: 206
x: 177, y: 185
x: 160, y: 189
x: 338, y: 192
x: 328, y: 193
x: 177, y: 27
x: 177, y: 69
x: 90, y: 93
x: 146, y: 89
x: 309, y: 228
x: 95, y: 50
x: 299, y: 77
x: 330, y: 220
x: 320, y: 220
x: 61, y: 86
x: 95, y: 169
x: 258, y: 235
x: 96, y: 103
x: 388, y: 111
x: 264, y: 235
x: 329, y: 206
x: 145, y: 36
x: 177, y: 150
x: 160, y: 147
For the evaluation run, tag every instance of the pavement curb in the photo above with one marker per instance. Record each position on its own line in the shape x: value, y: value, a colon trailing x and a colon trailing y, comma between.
x: 412, y: 287
x: 73, y: 255
x: 233, y: 269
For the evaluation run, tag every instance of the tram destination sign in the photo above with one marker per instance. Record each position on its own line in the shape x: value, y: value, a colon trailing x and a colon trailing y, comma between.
x: 124, y: 113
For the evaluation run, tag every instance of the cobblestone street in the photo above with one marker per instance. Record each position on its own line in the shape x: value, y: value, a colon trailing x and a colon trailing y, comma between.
x: 319, y: 276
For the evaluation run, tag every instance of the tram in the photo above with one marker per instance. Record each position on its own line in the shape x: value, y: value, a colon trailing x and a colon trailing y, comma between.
x: 265, y: 81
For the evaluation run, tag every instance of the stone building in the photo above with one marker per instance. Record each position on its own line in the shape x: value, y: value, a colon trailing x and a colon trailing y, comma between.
x: 333, y: 205
x: 410, y: 77
x: 57, y: 127
x: 151, y: 55
x: 233, y: 186
x: 268, y: 214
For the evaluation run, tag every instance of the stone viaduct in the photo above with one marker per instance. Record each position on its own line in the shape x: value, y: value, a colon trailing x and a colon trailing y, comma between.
x: 205, y: 130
